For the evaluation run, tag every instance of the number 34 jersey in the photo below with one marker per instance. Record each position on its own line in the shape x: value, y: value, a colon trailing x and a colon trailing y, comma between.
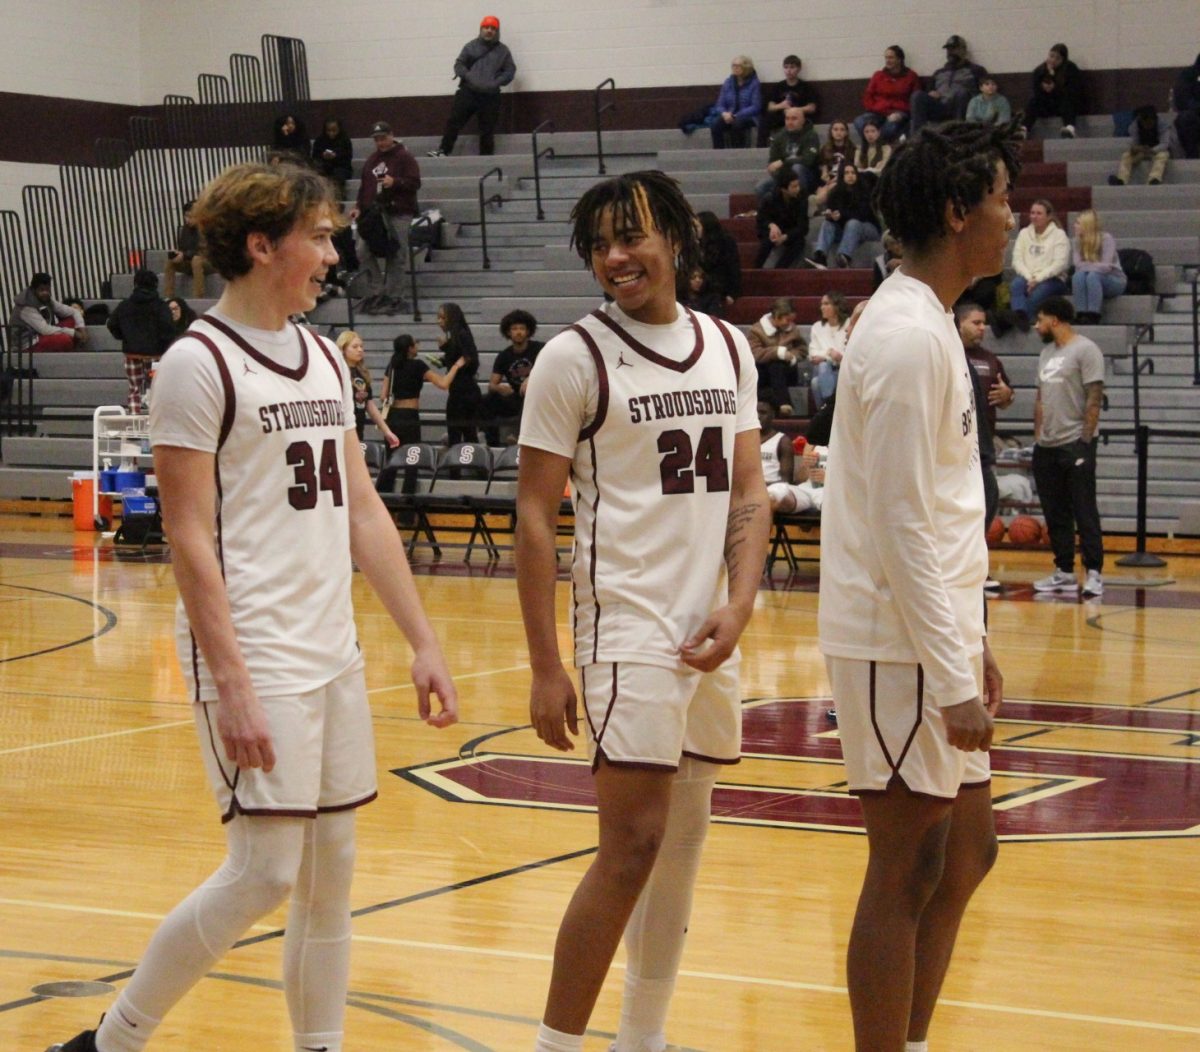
x: 647, y: 415
x: 273, y: 408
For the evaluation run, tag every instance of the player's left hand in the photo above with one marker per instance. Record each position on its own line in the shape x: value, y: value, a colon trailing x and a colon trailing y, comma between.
x: 431, y: 677
x: 711, y: 646
x: 993, y: 682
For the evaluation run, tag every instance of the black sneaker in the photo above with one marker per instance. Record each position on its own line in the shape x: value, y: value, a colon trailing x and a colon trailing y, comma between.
x: 1115, y: 180
x: 85, y: 1042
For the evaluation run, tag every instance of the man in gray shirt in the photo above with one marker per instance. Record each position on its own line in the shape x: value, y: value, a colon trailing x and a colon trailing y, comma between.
x: 483, y: 67
x: 1066, y: 418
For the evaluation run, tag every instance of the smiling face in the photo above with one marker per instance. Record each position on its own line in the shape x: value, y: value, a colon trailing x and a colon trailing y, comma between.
x: 636, y: 268
x: 1039, y: 218
x: 296, y: 264
x: 986, y: 228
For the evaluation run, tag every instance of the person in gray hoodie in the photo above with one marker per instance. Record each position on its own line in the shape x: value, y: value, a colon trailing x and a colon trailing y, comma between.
x: 483, y: 67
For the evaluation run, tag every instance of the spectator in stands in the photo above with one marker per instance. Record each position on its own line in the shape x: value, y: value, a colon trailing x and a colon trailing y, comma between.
x: 41, y: 323
x: 872, y: 153
x: 1185, y: 97
x: 836, y: 150
x: 351, y: 346
x: 186, y: 257
x: 182, y: 314
x: 789, y: 93
x: 483, y: 67
x: 1098, y: 275
x: 1057, y: 91
x: 795, y: 146
x: 887, y: 261
x: 701, y: 297
x: 143, y: 323
x: 463, y: 403
x: 849, y: 220
x: 951, y: 87
x: 888, y: 94
x: 826, y: 345
x: 333, y: 154
x: 505, y: 396
x: 995, y: 393
x: 1041, y: 259
x: 1066, y: 422
x: 783, y: 223
x: 387, y: 202
x: 401, y: 397
x: 290, y: 138
x: 1149, y: 140
x: 778, y: 346
x: 778, y: 458
x: 739, y: 106
x: 720, y: 258
x: 989, y: 106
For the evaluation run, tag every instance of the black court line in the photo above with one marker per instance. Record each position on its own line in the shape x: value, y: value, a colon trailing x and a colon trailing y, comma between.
x: 446, y: 889
x: 1034, y: 734
x: 1141, y: 636
x: 110, y: 622
x: 1173, y: 697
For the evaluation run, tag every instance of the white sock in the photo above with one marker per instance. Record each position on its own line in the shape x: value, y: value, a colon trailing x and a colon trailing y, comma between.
x: 550, y: 1040
x: 124, y: 1028
x: 916, y: 1046
x: 643, y: 1013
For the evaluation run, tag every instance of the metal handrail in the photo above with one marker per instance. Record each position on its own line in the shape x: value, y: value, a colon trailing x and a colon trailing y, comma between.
x: 610, y: 105
x: 1196, y: 328
x: 1140, y: 366
x: 496, y: 199
x: 413, y: 252
x: 548, y: 125
x: 18, y: 379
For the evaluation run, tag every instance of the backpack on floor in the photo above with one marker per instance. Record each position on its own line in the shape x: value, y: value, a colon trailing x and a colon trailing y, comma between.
x: 1138, y: 265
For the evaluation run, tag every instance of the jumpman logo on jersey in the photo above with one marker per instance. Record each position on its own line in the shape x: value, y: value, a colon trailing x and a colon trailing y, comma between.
x: 621, y: 360
x: 246, y: 368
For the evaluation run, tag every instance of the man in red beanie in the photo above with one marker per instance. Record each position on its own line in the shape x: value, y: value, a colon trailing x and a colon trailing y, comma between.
x: 483, y: 67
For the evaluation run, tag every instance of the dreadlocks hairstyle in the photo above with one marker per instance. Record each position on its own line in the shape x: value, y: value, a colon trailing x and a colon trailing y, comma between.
x: 648, y: 200
x: 953, y: 162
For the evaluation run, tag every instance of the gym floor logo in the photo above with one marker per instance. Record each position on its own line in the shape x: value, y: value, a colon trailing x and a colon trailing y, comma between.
x: 1060, y: 771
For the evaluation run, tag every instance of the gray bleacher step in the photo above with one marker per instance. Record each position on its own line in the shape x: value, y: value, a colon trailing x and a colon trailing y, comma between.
x: 1093, y: 149
x: 576, y: 282
x: 95, y: 364
x: 1108, y: 199
x: 80, y: 392
x: 1096, y: 173
x: 41, y: 452
x: 34, y: 484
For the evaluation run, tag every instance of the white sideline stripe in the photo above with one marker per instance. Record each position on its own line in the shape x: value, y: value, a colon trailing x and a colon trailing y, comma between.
x: 457, y: 679
x: 722, y: 977
x: 97, y: 737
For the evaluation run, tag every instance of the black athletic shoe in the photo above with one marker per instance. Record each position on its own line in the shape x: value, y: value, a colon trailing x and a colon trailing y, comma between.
x: 85, y: 1042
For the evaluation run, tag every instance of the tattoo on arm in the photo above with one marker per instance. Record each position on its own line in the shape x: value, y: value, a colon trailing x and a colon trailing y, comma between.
x: 1094, y: 392
x: 737, y: 531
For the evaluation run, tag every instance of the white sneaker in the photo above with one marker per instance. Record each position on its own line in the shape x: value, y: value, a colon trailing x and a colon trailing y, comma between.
x: 1093, y: 584
x: 1059, y: 581
x: 436, y: 153
x: 992, y: 586
x: 1068, y: 131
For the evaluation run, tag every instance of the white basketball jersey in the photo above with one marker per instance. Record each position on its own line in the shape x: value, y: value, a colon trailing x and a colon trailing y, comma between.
x: 651, y: 477
x: 281, y: 523
x: 770, y: 459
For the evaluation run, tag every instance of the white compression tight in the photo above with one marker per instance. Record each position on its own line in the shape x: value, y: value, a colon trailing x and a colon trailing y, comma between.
x: 269, y: 858
x: 656, y: 931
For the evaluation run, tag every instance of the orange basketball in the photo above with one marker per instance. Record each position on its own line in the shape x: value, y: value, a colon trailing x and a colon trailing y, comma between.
x: 995, y: 532
x: 1025, y: 529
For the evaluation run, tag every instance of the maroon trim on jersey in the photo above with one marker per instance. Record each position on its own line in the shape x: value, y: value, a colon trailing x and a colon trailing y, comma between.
x: 612, y: 701
x: 268, y: 812
x: 348, y: 807
x: 728, y: 337
x: 975, y: 785
x: 897, y: 780
x: 329, y: 357
x: 896, y: 764
x: 587, y: 713
x: 227, y: 414
x: 601, y: 377
x: 592, y: 549
x: 711, y: 759
x: 258, y: 356
x: 212, y: 744
x: 632, y: 765
x: 653, y: 356
x: 195, y: 664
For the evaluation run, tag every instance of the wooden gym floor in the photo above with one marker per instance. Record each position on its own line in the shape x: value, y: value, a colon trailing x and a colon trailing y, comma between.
x: 1084, y: 937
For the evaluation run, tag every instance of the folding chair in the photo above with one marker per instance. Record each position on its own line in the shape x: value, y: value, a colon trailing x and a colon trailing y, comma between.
x: 375, y: 453
x: 499, y: 498
x: 462, y: 470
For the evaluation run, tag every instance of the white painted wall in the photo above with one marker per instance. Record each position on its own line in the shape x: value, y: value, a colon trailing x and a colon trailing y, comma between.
x: 14, y: 176
x: 75, y: 49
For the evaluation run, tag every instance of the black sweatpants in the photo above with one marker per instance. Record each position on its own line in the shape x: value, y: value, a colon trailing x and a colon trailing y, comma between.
x: 1066, y: 482
x: 467, y: 103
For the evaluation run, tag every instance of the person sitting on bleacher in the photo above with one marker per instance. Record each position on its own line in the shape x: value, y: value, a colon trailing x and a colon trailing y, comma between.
x: 836, y: 150
x: 872, y: 153
x: 795, y: 147
x: 826, y: 345
x: 951, y: 87
x: 888, y: 94
x: 333, y: 154
x: 720, y: 258
x: 849, y: 220
x: 701, y: 297
x: 1185, y: 97
x: 791, y: 487
x: 739, y: 106
x: 40, y: 323
x: 989, y: 106
x: 505, y: 396
x: 786, y: 94
x: 186, y: 257
x: 1041, y: 259
x: 1149, y: 140
x: 1057, y: 91
x: 182, y: 314
x: 1098, y: 275
x: 783, y: 223
x: 290, y: 138
x: 144, y: 325
x: 778, y: 346
x: 402, y: 381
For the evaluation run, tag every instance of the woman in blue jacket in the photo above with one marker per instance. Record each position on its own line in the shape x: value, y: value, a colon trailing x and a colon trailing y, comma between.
x: 738, y: 106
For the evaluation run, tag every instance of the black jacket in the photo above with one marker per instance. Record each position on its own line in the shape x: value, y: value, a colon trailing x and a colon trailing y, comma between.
x: 1186, y: 93
x: 143, y: 324
x: 791, y: 216
x: 852, y: 202
x: 340, y: 166
x: 722, y: 264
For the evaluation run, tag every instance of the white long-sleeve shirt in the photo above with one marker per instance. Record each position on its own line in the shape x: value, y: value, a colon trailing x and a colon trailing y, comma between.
x: 903, y: 555
x: 1038, y: 258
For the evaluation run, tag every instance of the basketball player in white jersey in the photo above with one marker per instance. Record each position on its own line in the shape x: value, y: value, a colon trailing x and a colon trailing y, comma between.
x: 265, y: 499
x: 901, y: 616
x: 649, y: 410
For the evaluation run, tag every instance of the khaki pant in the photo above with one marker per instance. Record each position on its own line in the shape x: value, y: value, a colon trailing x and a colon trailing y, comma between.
x: 1134, y: 156
x: 198, y: 265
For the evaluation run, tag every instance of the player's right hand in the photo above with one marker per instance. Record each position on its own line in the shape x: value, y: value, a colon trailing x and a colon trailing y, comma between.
x: 554, y: 709
x: 968, y: 726
x: 242, y: 726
